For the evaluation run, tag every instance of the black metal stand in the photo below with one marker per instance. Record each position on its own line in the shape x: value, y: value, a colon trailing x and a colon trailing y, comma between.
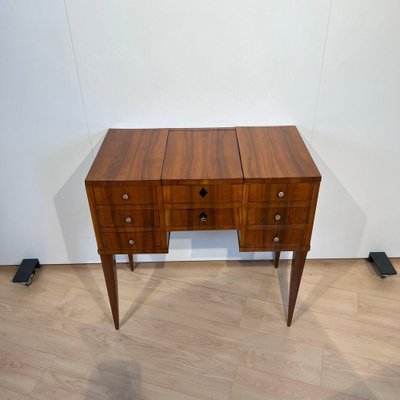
x: 382, y: 263
x: 26, y: 271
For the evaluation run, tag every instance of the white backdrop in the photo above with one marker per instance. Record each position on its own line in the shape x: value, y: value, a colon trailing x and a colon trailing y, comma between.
x: 70, y: 70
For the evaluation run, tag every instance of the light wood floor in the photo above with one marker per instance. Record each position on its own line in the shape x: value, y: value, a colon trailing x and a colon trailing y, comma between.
x: 205, y: 330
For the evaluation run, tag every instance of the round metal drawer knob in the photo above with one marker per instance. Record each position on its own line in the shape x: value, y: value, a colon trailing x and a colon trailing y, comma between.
x: 203, y: 217
x: 281, y: 194
x: 131, y: 241
x: 125, y: 196
x: 276, y: 239
x: 277, y: 217
x: 128, y: 220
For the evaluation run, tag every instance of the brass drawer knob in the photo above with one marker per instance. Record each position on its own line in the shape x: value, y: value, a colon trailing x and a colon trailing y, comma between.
x: 277, y: 217
x: 125, y: 196
x: 276, y: 239
x: 131, y: 241
x: 281, y: 194
x: 128, y: 220
x: 203, y: 217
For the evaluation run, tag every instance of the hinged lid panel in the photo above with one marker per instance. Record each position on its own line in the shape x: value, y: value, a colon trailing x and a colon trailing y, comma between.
x: 134, y: 156
x: 271, y: 154
x: 202, y: 156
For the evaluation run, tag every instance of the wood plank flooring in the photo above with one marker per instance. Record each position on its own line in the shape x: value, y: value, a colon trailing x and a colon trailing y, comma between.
x: 201, y: 330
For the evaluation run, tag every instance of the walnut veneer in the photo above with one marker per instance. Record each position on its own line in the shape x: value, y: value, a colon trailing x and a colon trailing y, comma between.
x: 145, y: 183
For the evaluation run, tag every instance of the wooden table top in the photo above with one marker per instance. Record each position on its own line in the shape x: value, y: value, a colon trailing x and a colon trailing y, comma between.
x: 275, y: 153
x: 203, y: 156
x: 130, y: 155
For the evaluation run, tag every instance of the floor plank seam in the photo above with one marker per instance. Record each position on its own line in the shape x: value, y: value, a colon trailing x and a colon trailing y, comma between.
x: 358, y: 306
x: 233, y: 383
x: 41, y: 376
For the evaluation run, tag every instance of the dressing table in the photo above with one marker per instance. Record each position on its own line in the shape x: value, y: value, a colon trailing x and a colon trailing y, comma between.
x: 146, y: 183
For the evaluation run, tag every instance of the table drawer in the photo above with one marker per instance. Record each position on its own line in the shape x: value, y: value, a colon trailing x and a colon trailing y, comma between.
x: 202, y: 218
x: 131, y: 240
x: 277, y: 215
x: 280, y: 192
x: 207, y: 194
x: 275, y: 237
x: 126, y: 217
x: 124, y: 195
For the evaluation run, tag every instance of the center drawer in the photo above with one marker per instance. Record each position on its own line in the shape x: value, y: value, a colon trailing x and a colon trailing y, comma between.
x: 202, y: 218
x: 202, y: 194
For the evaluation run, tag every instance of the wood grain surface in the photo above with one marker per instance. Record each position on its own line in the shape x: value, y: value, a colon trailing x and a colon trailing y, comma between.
x: 134, y: 242
x: 211, y: 178
x: 277, y: 215
x: 289, y: 191
x: 124, y: 194
x: 130, y: 155
x: 288, y: 237
x: 127, y: 217
x: 202, y: 156
x: 201, y: 330
x: 270, y: 154
x: 216, y: 195
x: 213, y: 218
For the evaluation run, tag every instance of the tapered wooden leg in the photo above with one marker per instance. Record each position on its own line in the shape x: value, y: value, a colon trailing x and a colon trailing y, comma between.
x: 276, y: 260
x: 299, y: 258
x: 131, y: 262
x: 110, y: 275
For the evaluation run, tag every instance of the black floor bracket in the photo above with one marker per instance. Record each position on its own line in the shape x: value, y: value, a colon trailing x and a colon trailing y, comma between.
x: 26, y: 271
x: 382, y: 263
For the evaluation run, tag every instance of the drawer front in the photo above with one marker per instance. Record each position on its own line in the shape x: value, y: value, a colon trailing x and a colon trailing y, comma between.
x: 275, y: 237
x: 125, y: 217
x: 280, y: 192
x: 198, y: 219
x: 131, y: 240
x: 208, y: 194
x: 278, y: 215
x: 124, y: 195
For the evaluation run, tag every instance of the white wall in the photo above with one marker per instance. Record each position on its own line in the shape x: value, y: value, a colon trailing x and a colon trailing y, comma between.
x: 69, y: 71
x: 357, y: 131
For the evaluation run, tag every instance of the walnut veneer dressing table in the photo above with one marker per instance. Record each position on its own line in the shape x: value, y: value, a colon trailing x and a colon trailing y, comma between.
x: 145, y: 183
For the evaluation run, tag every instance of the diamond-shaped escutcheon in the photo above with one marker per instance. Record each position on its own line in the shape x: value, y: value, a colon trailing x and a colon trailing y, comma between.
x: 203, y: 192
